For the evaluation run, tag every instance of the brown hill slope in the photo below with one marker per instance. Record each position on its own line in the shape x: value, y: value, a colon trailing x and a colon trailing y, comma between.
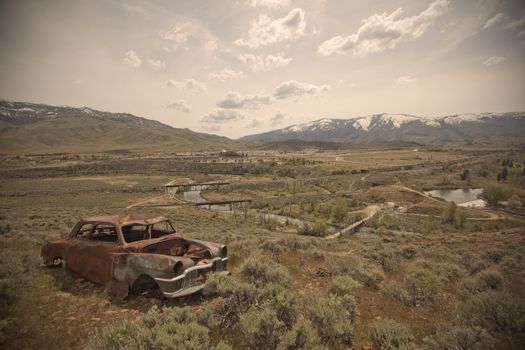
x: 38, y: 128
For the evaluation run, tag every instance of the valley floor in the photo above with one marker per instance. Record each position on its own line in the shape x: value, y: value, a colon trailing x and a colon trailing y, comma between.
x: 437, y: 277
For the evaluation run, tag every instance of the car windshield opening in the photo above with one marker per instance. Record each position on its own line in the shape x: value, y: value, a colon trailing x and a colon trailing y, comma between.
x: 140, y: 232
x: 98, y: 232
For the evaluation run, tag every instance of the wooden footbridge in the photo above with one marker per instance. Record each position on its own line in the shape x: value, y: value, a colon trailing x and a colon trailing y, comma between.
x: 172, y: 188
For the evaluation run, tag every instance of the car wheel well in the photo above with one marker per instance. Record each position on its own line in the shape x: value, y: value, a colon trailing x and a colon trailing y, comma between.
x: 143, y: 283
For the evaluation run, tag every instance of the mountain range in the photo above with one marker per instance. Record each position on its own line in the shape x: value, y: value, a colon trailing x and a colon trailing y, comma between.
x: 39, y: 128
x: 461, y: 128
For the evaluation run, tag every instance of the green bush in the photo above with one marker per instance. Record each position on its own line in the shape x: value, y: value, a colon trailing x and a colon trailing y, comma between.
x: 282, y: 301
x: 237, y: 298
x: 495, y: 311
x: 260, y: 272
x: 332, y: 317
x: 343, y: 285
x: 421, y: 285
x: 169, y: 328
x: 369, y: 275
x: 301, y: 336
x: 318, y: 229
x: 339, y: 211
x: 390, y: 335
x: 458, y: 337
x: 261, y: 328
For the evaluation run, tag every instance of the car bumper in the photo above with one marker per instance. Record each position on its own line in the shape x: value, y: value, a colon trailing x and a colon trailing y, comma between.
x: 191, y: 280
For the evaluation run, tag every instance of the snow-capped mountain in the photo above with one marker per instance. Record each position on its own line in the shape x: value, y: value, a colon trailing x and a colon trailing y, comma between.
x: 483, y: 127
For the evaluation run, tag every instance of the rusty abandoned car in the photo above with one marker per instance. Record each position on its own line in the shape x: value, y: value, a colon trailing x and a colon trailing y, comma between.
x: 135, y: 253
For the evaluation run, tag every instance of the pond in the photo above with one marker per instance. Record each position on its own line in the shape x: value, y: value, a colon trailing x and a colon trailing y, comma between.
x: 466, y: 197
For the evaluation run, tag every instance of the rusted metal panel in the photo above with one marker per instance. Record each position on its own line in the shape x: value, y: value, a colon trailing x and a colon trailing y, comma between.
x: 119, y: 264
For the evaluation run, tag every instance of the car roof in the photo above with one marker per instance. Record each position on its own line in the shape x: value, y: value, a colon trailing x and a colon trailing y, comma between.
x: 122, y: 220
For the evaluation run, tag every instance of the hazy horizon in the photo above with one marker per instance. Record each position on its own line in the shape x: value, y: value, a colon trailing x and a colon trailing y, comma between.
x: 241, y: 67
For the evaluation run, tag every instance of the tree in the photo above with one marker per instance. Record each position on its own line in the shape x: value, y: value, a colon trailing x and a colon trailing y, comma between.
x: 465, y: 176
x: 494, y: 194
x: 504, y: 173
x: 339, y: 210
x: 449, y: 213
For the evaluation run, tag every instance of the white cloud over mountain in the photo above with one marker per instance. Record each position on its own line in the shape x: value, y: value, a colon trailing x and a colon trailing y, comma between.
x: 219, y: 116
x: 227, y: 74
x: 180, y: 105
x: 266, y: 31
x: 132, y: 60
x: 261, y: 63
x: 380, y: 32
x: 188, y: 85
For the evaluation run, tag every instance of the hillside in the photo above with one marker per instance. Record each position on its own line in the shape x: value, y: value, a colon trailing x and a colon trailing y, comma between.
x: 39, y: 128
x: 461, y: 128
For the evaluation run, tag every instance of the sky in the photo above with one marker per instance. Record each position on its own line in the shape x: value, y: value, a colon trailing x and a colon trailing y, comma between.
x: 239, y: 67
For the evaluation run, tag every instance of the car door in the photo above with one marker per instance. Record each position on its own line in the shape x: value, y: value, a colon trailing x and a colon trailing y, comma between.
x: 89, y: 255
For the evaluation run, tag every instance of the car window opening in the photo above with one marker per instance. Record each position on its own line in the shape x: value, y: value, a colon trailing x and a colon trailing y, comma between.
x: 139, y: 232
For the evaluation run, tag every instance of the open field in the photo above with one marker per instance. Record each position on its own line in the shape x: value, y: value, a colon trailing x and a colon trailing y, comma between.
x: 437, y: 281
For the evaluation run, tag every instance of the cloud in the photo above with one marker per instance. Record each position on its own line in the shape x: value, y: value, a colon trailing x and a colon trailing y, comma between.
x: 268, y: 3
x: 189, y: 85
x: 234, y: 100
x: 266, y: 31
x: 294, y: 88
x: 492, y: 61
x: 227, y: 74
x: 519, y: 23
x: 156, y: 64
x: 254, y: 123
x: 211, y: 45
x: 180, y: 105
x: 285, y: 90
x: 136, y: 10
x: 219, y: 116
x: 277, y: 119
x: 380, y: 32
x: 493, y: 20
x: 259, y: 63
x: 132, y: 60
x: 177, y: 36
x: 406, y: 80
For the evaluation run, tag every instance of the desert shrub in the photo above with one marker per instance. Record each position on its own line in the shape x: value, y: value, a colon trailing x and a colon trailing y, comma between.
x: 260, y: 272
x: 261, y: 328
x: 237, y: 298
x: 343, y: 285
x: 301, y: 336
x: 169, y: 328
x: 338, y: 266
x: 494, y: 194
x: 390, y: 335
x: 332, y: 317
x: 291, y: 244
x: 272, y: 247
x: 19, y: 273
x: 458, y: 337
x: 395, y: 291
x: 489, y: 279
x: 369, y: 275
x: 408, y: 252
x: 318, y: 229
x: 421, y: 285
x: 339, y: 211
x: 282, y: 301
x: 494, y: 255
x: 448, y: 271
x: 495, y: 311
